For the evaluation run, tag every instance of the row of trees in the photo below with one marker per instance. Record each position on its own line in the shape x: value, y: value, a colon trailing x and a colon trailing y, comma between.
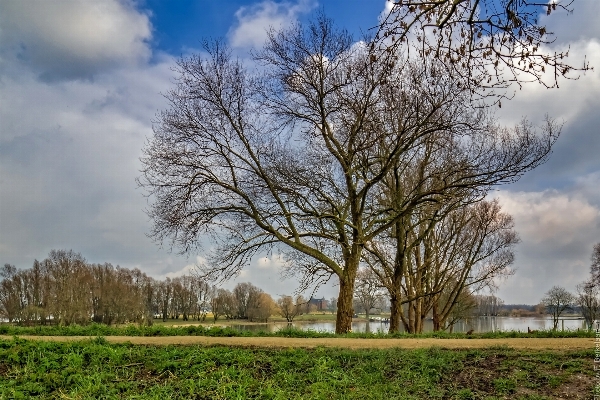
x: 64, y: 289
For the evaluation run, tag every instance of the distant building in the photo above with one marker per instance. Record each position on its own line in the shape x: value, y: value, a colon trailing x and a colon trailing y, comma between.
x: 321, y: 304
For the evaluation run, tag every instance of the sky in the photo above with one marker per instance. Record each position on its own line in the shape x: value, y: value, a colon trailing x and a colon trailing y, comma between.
x: 81, y: 82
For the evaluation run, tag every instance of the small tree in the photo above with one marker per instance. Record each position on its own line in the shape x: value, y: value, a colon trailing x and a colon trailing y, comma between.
x: 588, y: 298
x: 261, y: 307
x: 290, y: 309
x: 332, y: 305
x: 368, y: 290
x: 556, y: 301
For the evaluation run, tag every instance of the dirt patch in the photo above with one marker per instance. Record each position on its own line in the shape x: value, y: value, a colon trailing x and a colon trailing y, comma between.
x: 509, y: 375
x: 281, y: 342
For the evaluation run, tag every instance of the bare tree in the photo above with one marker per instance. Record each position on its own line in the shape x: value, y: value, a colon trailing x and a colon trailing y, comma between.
x: 295, y: 156
x: 368, y: 290
x: 288, y: 308
x: 332, y: 303
x: 223, y: 304
x: 10, y: 296
x: 430, y: 259
x: 261, y: 307
x: 462, y: 308
x: 488, y: 305
x: 71, y: 284
x: 491, y: 44
x: 246, y: 297
x: 588, y: 298
x: 556, y: 301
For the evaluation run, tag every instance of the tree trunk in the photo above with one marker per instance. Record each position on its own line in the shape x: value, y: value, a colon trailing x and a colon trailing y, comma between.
x: 437, y: 326
x: 343, y: 323
x: 395, y: 315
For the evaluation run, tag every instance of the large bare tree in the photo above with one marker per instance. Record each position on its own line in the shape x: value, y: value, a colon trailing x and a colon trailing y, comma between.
x: 294, y: 155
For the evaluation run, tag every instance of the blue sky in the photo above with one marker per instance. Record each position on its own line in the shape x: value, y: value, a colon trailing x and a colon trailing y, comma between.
x: 180, y: 25
x: 80, y: 83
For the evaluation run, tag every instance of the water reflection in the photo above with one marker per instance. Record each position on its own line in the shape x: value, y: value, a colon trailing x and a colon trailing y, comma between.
x: 479, y: 324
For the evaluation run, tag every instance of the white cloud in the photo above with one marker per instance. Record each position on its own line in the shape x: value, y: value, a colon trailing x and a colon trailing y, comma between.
x: 254, y: 21
x: 557, y: 230
x: 68, y: 162
x: 74, y: 38
x: 551, y: 217
x: 568, y: 100
x: 580, y: 24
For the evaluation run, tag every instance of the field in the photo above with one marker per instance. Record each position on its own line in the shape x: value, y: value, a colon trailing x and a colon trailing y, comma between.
x: 96, y: 368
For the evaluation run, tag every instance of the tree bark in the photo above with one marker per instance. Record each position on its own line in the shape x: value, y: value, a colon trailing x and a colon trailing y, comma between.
x: 395, y: 315
x: 345, y: 309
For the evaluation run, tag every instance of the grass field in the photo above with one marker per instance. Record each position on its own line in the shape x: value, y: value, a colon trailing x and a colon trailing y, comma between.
x: 97, y: 369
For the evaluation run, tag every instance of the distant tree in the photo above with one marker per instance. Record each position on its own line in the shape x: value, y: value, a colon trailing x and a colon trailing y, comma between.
x: 332, y: 304
x: 557, y: 300
x: 368, y: 291
x: 223, y: 304
x: 464, y: 305
x: 540, y: 308
x: 588, y: 298
x: 261, y: 307
x: 489, y: 305
x: 164, y: 293
x: 10, y: 296
x: 246, y: 296
x: 71, y: 283
x: 290, y: 308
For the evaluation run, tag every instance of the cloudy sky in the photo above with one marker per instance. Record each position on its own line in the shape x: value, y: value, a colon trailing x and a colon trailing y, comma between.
x: 80, y: 83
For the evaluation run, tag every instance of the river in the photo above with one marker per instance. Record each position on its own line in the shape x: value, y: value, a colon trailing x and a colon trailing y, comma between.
x: 479, y: 325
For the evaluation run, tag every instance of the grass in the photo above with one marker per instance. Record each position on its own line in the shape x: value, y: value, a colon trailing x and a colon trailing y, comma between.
x: 96, y: 369
x: 201, y: 330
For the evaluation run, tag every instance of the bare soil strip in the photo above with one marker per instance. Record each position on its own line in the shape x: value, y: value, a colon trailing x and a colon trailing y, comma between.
x: 281, y: 342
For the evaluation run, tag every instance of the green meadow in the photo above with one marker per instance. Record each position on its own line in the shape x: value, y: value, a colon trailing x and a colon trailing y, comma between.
x: 95, y: 369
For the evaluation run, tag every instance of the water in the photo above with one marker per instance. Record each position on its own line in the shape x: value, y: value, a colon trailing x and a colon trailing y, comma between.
x: 479, y: 324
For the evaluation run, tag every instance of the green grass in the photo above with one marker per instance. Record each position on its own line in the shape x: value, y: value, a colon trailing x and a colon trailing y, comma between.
x: 96, y: 369
x: 201, y: 330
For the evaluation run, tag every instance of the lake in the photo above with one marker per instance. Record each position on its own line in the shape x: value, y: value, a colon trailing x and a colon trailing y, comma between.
x: 479, y: 324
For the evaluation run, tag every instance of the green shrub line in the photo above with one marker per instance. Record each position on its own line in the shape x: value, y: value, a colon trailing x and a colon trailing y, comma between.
x: 92, y: 369
x: 199, y: 330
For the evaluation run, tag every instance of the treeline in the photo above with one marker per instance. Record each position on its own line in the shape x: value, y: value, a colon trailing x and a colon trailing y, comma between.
x: 64, y: 289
